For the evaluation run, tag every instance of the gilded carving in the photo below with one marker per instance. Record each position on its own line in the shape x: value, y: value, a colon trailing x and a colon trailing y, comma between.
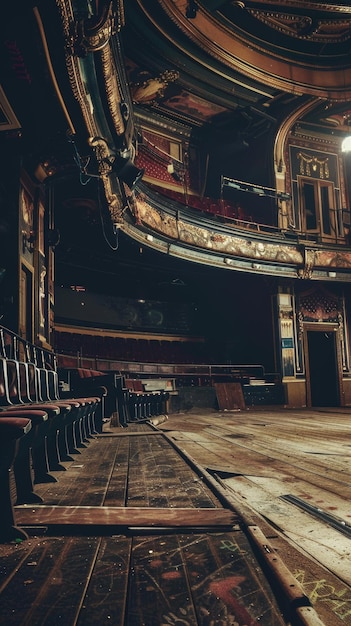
x: 332, y: 259
x: 112, y: 89
x: 217, y: 242
x: 150, y: 90
x: 94, y: 33
x: 73, y: 68
x: 114, y: 201
x: 309, y: 262
x: 308, y: 163
x: 304, y: 27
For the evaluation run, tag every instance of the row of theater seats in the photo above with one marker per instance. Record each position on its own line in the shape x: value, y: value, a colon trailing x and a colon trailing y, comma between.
x: 144, y: 404
x: 126, y: 397
x: 38, y: 431
x: 156, y: 169
x: 130, y: 349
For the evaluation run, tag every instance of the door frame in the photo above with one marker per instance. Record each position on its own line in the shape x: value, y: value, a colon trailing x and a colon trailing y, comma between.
x: 326, y: 328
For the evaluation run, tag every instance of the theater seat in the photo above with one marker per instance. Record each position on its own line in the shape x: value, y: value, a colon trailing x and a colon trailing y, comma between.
x: 12, y: 430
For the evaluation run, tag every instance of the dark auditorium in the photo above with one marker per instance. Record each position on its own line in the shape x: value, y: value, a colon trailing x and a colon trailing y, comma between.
x: 175, y: 313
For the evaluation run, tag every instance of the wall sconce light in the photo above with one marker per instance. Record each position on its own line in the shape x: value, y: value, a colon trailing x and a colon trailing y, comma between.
x: 332, y: 274
x: 256, y: 266
x: 228, y: 261
x: 149, y: 238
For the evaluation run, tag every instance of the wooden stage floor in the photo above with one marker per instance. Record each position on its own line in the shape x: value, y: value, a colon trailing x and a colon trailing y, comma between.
x: 209, y: 518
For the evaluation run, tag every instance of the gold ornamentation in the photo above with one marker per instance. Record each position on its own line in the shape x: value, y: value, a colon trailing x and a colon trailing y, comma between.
x: 152, y: 89
x: 94, y: 33
x: 309, y: 261
x: 114, y: 201
x: 308, y: 162
x: 73, y: 69
x: 203, y: 237
x: 112, y: 89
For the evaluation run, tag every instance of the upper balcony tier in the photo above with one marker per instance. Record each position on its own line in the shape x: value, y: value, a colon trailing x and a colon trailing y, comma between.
x: 179, y: 230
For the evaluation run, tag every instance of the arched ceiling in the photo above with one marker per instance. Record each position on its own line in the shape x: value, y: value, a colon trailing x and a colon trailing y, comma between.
x: 209, y: 70
x: 240, y: 64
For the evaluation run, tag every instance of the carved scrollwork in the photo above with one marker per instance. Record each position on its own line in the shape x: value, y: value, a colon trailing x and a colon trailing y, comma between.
x: 308, y: 163
x: 309, y: 262
x: 115, y: 203
x: 93, y: 34
x: 103, y: 155
x: 152, y: 89
x: 112, y: 89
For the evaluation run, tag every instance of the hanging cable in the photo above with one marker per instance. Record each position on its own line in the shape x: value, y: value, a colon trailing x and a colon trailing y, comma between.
x: 115, y: 246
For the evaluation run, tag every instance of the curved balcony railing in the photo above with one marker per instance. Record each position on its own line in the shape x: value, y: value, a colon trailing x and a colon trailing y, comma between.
x: 185, y: 232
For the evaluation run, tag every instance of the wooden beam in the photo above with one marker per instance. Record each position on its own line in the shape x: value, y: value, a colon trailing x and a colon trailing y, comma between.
x: 121, y: 516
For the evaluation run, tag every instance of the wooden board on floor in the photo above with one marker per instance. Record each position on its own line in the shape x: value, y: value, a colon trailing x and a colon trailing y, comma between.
x: 199, y: 579
x: 67, y: 580
x: 192, y: 578
x: 229, y: 396
x: 123, y: 516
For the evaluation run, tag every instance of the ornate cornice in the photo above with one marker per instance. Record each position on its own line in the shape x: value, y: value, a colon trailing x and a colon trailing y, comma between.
x: 305, y: 4
x: 302, y: 26
x: 255, y: 62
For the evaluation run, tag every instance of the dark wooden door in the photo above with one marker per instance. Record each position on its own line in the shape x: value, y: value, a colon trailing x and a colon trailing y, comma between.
x: 323, y: 375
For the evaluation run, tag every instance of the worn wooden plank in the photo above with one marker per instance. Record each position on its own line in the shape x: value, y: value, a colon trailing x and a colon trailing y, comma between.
x: 226, y: 580
x: 159, y: 477
x: 326, y: 545
x: 127, y: 433
x: 105, y: 598
x: 198, y: 579
x: 121, y: 516
x: 229, y: 396
x: 49, y: 586
x: 265, y: 457
x: 330, y: 597
x: 283, y: 484
x: 85, y: 480
x: 117, y: 480
x: 159, y: 590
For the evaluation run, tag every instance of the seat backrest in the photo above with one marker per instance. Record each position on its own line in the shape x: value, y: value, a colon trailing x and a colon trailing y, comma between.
x: 12, y: 378
x: 28, y: 382
x: 43, y: 386
x: 32, y: 374
x: 53, y: 384
x: 4, y: 387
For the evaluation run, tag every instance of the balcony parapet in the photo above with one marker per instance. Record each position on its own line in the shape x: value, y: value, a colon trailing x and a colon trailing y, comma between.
x: 185, y: 233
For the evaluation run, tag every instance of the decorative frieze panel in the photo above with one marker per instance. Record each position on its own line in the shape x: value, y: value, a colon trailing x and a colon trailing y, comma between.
x: 307, y: 260
x: 205, y: 237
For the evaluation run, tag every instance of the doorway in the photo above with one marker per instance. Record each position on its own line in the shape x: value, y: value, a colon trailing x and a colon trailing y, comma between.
x: 322, y: 372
